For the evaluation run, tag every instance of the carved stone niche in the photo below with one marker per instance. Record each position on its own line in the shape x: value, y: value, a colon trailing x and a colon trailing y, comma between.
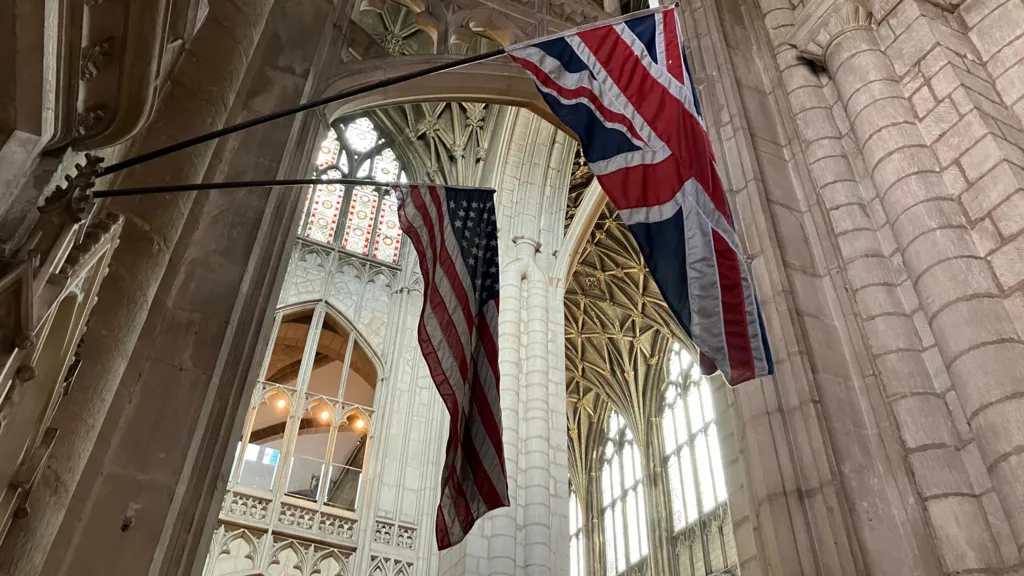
x: 111, y: 57
x: 46, y: 292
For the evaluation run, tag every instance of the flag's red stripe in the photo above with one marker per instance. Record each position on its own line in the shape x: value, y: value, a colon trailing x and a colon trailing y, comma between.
x: 463, y: 511
x: 734, y: 311
x: 640, y: 186
x: 450, y: 483
x: 673, y: 51
x: 462, y: 457
x: 484, y: 486
x: 444, y: 260
x: 581, y: 92
x: 444, y: 540
x: 449, y: 268
x: 662, y: 111
x: 441, y: 382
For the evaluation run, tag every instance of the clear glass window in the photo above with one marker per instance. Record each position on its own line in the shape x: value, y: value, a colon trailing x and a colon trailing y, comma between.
x: 577, y: 542
x: 693, y: 457
x: 623, y: 510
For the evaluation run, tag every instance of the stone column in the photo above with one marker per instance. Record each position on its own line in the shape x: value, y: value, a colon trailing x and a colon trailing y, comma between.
x: 197, y: 99
x: 900, y: 355
x: 975, y: 335
x: 536, y: 418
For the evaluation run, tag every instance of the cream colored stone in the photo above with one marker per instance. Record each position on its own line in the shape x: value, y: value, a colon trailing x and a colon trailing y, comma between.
x: 997, y: 28
x: 992, y: 189
x: 910, y: 46
x: 986, y: 236
x: 1009, y: 216
x: 941, y: 119
x: 964, y: 134
x: 1008, y: 263
x: 923, y: 101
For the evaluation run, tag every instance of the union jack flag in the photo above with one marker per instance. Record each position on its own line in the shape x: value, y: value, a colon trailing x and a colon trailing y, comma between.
x: 455, y: 235
x: 625, y: 89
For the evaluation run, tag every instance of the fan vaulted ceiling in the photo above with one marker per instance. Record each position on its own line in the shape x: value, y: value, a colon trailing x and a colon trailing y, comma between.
x: 617, y: 326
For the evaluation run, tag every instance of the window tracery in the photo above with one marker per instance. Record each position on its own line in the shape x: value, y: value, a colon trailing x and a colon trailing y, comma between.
x: 623, y: 512
x: 693, y: 456
x: 360, y: 219
x: 307, y: 430
x: 577, y: 543
x: 703, y: 536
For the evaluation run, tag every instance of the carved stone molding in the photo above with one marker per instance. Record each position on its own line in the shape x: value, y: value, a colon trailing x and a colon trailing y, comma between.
x: 107, y: 64
x: 821, y: 23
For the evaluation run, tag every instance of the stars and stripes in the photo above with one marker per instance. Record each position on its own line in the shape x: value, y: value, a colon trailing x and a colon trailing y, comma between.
x: 455, y: 236
x: 625, y: 90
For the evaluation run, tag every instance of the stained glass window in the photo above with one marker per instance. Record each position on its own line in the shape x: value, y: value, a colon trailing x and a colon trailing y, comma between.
x: 367, y: 216
x: 359, y: 225
x: 577, y: 545
x: 693, y: 456
x: 623, y: 510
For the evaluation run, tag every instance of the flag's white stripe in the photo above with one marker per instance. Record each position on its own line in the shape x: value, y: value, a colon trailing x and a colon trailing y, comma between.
x: 442, y: 280
x: 660, y: 40
x: 452, y: 246
x: 651, y: 153
x: 690, y: 195
x: 753, y: 326
x: 609, y: 93
x: 573, y: 80
x: 447, y: 506
x: 707, y: 327
x: 477, y: 507
x: 660, y: 70
x: 485, y: 445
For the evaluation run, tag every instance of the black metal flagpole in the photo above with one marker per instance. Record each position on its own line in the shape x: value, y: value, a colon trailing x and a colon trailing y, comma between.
x: 203, y: 186
x: 227, y: 130
x: 359, y: 90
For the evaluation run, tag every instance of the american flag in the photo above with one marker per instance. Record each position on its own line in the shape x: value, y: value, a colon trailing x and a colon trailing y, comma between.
x: 455, y: 236
x: 625, y: 89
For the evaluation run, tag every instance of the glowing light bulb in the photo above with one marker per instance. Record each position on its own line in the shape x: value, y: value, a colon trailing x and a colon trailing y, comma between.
x: 325, y: 415
x: 359, y: 424
x: 281, y: 403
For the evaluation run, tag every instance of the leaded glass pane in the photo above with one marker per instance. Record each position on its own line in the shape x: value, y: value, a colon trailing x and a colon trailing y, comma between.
x: 620, y: 537
x: 609, y: 543
x: 362, y: 209
x: 364, y: 169
x: 675, y: 488
x: 689, y: 486
x: 707, y: 487
x: 385, y: 166
x: 361, y: 135
x: 693, y: 406
x: 389, y: 234
x: 615, y: 471
x: 329, y: 149
x: 326, y: 210
x: 577, y: 555
x: 707, y: 404
x: 716, y: 463
x: 637, y: 471
x: 634, y: 529
x: 641, y: 511
x: 623, y: 504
